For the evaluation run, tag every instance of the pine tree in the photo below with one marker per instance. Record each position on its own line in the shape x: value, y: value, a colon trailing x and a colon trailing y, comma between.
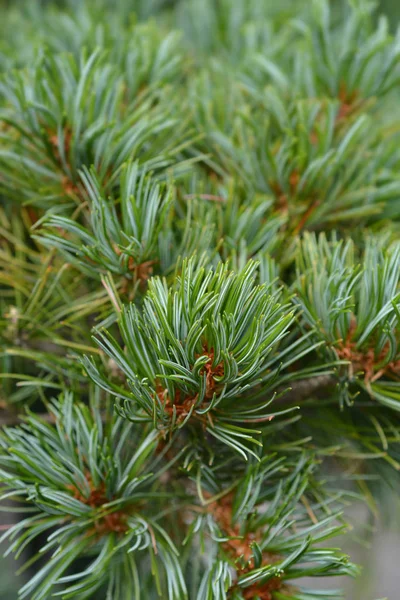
x: 199, y: 293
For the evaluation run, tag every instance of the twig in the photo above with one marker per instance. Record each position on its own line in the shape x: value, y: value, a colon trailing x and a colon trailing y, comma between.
x: 211, y: 197
x: 301, y: 390
x: 15, y: 419
x: 304, y: 388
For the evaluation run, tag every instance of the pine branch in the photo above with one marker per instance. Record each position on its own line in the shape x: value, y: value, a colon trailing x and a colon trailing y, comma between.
x: 306, y: 389
x: 199, y: 256
x: 355, y: 311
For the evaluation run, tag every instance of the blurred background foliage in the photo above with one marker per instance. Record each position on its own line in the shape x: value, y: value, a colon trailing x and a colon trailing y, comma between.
x: 392, y: 9
x: 380, y: 556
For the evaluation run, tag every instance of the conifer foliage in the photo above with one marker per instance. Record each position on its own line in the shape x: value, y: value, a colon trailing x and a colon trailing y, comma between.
x: 199, y: 293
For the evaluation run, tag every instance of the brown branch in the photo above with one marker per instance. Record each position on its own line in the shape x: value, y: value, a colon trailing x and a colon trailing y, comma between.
x: 8, y: 418
x: 300, y: 390
x: 211, y: 197
x: 304, y: 388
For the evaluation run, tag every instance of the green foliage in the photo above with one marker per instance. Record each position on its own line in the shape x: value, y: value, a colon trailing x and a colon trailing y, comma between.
x: 45, y: 311
x: 116, y: 244
x: 203, y: 350
x: 349, y: 57
x: 354, y: 308
x: 89, y: 483
x: 100, y: 491
x: 266, y: 530
x: 199, y: 257
x: 84, y: 116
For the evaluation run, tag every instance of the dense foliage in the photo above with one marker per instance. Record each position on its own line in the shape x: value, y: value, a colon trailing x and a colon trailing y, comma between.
x: 199, y: 292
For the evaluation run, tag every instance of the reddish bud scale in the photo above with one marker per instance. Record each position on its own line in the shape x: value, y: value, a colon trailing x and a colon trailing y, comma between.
x: 97, y: 497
